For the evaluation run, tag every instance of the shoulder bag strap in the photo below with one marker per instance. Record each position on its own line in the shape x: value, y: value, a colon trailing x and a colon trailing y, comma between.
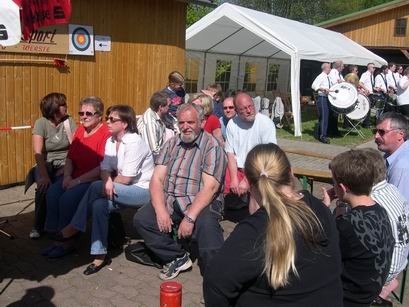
x: 68, y: 129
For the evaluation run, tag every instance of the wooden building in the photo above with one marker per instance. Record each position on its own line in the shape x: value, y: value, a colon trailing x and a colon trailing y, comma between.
x: 383, y: 29
x: 147, y: 42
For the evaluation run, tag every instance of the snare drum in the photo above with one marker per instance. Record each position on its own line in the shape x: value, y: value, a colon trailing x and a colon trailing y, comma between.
x: 361, y: 108
x: 343, y: 97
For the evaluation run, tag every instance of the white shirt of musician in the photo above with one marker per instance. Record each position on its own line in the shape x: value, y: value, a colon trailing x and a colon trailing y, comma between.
x: 321, y: 81
x: 403, y: 94
x: 398, y: 76
x: 380, y: 81
x: 335, y: 76
x: 391, y: 80
x: 368, y: 80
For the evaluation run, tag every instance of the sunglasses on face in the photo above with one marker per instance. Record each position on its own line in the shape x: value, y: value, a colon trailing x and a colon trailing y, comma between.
x: 112, y: 119
x: 228, y: 108
x: 87, y: 114
x: 382, y: 132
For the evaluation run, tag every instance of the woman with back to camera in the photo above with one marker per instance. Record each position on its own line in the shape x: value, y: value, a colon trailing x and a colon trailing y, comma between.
x: 285, y: 253
x: 126, y: 171
x: 82, y: 166
x: 52, y: 135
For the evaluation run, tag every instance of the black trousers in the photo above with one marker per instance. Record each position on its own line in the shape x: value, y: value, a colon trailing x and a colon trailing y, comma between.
x: 207, y: 233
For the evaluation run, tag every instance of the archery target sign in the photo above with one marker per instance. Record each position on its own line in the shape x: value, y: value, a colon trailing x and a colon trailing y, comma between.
x: 81, y: 40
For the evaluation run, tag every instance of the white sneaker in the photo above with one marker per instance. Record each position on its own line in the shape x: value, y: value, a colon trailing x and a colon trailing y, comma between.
x: 173, y: 268
x: 34, y: 234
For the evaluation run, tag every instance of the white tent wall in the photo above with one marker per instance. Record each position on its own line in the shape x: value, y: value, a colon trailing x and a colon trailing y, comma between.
x: 240, y: 32
x: 207, y: 71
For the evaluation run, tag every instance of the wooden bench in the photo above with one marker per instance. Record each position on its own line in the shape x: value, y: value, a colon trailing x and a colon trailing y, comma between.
x: 311, y: 176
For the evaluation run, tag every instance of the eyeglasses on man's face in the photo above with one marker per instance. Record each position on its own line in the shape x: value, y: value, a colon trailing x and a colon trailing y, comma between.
x: 228, y: 108
x: 382, y: 132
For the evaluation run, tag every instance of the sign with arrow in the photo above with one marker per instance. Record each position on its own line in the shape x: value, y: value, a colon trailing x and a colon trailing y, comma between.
x: 102, y: 43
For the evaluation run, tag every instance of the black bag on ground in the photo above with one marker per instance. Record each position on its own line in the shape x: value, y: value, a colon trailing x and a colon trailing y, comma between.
x: 116, y: 231
x: 139, y: 253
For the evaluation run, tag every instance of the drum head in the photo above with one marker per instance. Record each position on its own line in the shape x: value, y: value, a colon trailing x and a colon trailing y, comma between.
x: 343, y: 95
x: 361, y: 108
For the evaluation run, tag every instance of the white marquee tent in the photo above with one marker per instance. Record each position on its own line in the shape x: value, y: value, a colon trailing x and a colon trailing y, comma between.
x: 235, y: 30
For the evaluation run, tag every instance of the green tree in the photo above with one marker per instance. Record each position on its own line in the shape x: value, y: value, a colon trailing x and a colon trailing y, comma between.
x: 195, y: 12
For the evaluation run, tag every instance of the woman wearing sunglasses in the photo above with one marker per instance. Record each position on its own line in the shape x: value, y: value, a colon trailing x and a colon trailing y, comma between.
x: 125, y: 172
x: 52, y: 135
x: 82, y: 167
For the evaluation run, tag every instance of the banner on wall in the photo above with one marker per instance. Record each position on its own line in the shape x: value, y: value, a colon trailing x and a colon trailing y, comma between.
x: 47, y: 40
x: 81, y: 40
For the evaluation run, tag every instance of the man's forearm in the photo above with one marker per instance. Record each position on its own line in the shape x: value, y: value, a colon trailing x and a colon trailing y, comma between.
x: 232, y: 165
x: 201, y: 201
x: 157, y: 196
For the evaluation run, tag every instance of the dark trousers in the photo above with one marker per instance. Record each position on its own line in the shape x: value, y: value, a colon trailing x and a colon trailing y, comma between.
x: 404, y: 109
x: 207, y: 233
x: 322, y: 105
x: 332, y: 122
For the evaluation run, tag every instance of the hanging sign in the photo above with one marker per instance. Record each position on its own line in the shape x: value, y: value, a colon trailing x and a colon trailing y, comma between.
x: 81, y: 40
x: 102, y: 43
x: 47, y: 40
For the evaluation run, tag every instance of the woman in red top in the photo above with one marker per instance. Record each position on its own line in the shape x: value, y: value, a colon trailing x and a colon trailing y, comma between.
x: 81, y: 168
x: 212, y: 123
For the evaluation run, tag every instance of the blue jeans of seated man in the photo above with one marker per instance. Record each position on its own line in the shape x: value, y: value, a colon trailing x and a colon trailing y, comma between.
x: 323, y: 114
x: 95, y: 203
x: 207, y: 232
x: 62, y: 204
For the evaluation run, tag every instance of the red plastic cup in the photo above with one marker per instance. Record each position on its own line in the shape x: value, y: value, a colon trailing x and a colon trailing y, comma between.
x: 170, y: 294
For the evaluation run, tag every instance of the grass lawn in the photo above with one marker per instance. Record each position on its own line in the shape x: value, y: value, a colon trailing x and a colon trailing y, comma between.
x: 309, y: 118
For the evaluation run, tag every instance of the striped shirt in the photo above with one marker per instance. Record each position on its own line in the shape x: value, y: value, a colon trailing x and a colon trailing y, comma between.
x: 152, y: 129
x: 185, y: 165
x: 397, y: 207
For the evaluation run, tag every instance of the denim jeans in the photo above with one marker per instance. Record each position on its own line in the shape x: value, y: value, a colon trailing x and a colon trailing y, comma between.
x: 207, y: 232
x: 95, y: 203
x: 62, y: 204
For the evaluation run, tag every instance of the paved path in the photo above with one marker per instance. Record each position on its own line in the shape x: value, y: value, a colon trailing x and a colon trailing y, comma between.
x: 28, y: 279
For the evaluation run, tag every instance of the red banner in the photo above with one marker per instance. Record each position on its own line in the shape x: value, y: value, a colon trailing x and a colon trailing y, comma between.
x: 40, y: 13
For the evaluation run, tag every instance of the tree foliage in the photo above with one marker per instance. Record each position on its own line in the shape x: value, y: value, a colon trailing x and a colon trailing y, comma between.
x: 307, y: 11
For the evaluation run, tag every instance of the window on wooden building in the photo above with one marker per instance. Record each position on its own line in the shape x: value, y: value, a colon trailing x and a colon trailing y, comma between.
x: 223, y: 70
x: 191, y: 75
x: 400, y: 26
x: 272, y: 77
x: 249, y: 83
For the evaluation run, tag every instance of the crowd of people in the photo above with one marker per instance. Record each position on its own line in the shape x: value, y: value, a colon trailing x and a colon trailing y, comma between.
x: 179, y: 161
x: 387, y: 89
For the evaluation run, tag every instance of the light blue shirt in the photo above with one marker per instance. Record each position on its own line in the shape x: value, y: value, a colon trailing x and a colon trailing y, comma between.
x: 398, y: 169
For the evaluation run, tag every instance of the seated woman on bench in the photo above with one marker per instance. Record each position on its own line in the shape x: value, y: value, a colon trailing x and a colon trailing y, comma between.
x: 125, y: 171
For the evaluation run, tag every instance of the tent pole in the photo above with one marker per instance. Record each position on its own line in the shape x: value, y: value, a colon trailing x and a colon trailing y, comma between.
x: 238, y: 73
x: 266, y: 82
x: 204, y: 69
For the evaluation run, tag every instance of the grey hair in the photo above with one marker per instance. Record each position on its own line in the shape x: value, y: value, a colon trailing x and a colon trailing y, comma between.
x: 398, y: 121
x: 96, y: 102
x: 183, y: 107
x: 338, y: 64
x: 323, y: 65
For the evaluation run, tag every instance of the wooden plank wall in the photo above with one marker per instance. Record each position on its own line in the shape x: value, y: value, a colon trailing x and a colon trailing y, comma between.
x: 377, y: 30
x: 148, y: 41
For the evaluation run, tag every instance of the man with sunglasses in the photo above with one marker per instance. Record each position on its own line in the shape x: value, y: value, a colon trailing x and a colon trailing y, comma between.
x: 391, y: 136
x: 228, y: 113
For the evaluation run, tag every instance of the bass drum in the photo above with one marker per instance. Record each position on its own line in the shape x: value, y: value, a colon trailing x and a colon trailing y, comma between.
x: 361, y: 108
x: 343, y: 97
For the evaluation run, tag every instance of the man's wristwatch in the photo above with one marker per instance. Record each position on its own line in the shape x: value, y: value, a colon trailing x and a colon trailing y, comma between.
x: 189, y: 219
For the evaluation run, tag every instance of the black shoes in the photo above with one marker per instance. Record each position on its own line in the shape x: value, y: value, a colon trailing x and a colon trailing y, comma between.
x: 92, y: 268
x: 324, y: 140
x: 379, y: 301
x: 59, y: 237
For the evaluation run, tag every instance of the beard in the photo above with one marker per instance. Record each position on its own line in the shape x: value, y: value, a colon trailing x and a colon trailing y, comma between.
x: 188, y: 138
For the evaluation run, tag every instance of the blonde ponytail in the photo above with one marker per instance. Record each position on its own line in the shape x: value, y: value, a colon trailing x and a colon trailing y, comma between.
x: 267, y: 168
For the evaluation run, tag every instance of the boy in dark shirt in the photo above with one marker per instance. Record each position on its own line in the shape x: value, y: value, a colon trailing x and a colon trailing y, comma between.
x: 366, y: 239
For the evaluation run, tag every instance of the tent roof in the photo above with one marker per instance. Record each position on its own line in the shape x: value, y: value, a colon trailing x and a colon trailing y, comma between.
x: 240, y: 31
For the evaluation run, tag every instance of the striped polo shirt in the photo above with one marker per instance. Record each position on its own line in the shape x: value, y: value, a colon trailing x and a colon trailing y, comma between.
x: 185, y: 164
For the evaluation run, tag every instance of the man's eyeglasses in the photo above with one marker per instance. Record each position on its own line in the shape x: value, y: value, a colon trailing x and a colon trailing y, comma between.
x: 382, y: 132
x: 87, y: 114
x: 112, y: 119
x: 228, y: 108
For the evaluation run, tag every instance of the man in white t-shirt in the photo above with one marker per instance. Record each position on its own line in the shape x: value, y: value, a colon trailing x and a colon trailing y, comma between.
x: 244, y: 131
x: 391, y: 78
x: 335, y: 77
